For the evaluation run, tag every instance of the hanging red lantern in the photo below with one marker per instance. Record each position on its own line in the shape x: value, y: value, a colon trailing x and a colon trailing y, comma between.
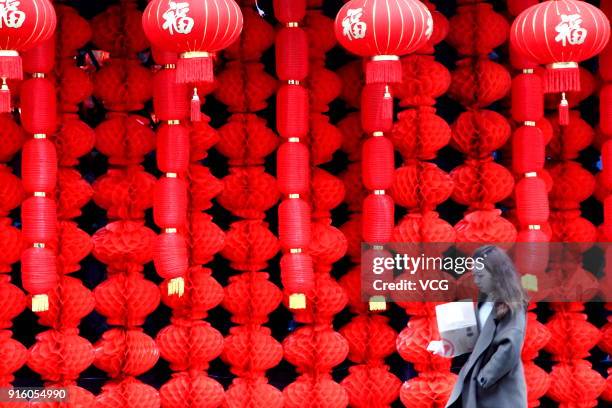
x: 379, y: 29
x: 23, y: 24
x: 560, y: 34
x: 195, y: 30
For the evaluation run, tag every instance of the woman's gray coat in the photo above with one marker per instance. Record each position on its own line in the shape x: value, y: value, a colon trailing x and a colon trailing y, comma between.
x: 493, y: 375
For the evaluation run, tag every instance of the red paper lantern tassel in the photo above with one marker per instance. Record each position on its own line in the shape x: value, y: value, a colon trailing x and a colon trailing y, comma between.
x: 563, y: 111
x: 5, y: 97
x: 38, y: 215
x: 528, y: 150
x: 605, y: 109
x: 562, y: 77
x: 170, y: 202
x: 194, y: 67
x: 196, y: 113
x: 378, y: 164
x: 294, y: 223
x: 378, y: 218
x: 384, y: 69
x: 527, y: 97
x: 293, y: 170
x: 170, y: 258
x: 376, y: 108
x: 297, y: 276
x: 532, y: 201
x: 10, y: 68
x: 291, y: 54
x: 39, y: 166
x: 292, y: 111
x: 39, y: 275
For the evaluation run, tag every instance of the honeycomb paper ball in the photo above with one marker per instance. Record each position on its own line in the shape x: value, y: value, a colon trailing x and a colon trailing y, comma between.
x: 537, y: 336
x: 421, y: 185
x: 207, y: 238
x: 568, y: 141
x: 369, y: 386
x: 254, y: 393
x: 428, y: 389
x: 249, y: 245
x: 477, y: 83
x: 125, y: 192
x: 11, y: 190
x: 326, y: 192
x: 324, y: 86
x: 74, y: 193
x: 11, y: 137
x: 69, y: 302
x: 423, y: 80
x: 370, y: 338
x: 351, y: 75
x: 14, y: 355
x: 128, y: 393
x: 321, y: 392
x: 327, y: 244
x: 479, y: 184
x: 420, y: 133
x: 126, y: 300
x: 320, y: 30
x: 251, y: 351
x: 203, y: 187
x: 327, y: 300
x: 244, y: 86
x: 123, y: 85
x: 12, y: 302
x: 575, y: 383
x: 467, y: 33
x: 352, y: 231
x: 74, y: 85
x: 256, y: 37
x: 202, y: 293
x: 192, y: 386
x: 309, y: 348
x: 246, y: 140
x: 79, y: 397
x: 248, y: 192
x: 571, y: 336
x: 485, y: 226
x: 118, y: 30
x: 50, y: 357
x: 125, y: 352
x: 250, y: 297
x: 572, y: 184
x: 201, y: 138
x: 537, y: 381
x: 352, y: 135
x: 423, y: 227
x: 11, y: 244
x: 569, y: 226
x: 124, y: 242
x: 324, y: 139
x: 73, y: 31
x: 189, y: 344
x: 440, y: 30
x: 73, y: 140
x: 477, y: 133
x: 126, y: 139
x: 355, y: 190
x: 351, y: 283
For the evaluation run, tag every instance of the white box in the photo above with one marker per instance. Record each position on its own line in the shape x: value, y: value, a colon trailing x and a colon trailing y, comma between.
x: 458, y: 327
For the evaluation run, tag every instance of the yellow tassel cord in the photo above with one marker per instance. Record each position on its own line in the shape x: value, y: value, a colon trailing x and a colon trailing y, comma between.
x: 378, y: 303
x: 40, y: 303
x: 176, y: 286
x: 297, y: 301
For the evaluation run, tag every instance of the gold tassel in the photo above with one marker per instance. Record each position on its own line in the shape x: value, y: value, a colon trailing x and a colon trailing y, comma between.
x: 176, y: 286
x: 297, y: 301
x: 378, y: 303
x: 40, y: 303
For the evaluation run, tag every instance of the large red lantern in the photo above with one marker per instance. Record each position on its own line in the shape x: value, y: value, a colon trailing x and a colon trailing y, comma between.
x: 23, y: 25
x: 560, y: 34
x: 383, y: 30
x: 195, y: 29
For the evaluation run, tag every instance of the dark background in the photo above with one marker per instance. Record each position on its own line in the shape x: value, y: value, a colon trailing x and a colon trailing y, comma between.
x: 93, y: 272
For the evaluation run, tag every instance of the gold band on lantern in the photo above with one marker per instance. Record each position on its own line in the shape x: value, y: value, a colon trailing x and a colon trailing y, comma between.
x: 292, y: 24
x: 385, y: 58
x: 531, y: 174
x: 39, y: 136
x: 39, y: 194
x: 293, y: 82
x: 38, y: 245
x: 196, y: 54
x: 293, y: 196
x: 40, y: 303
x: 38, y: 75
x: 535, y: 227
x: 297, y: 301
x: 293, y: 140
x: 171, y: 175
x: 562, y: 65
x: 170, y: 230
x: 169, y: 66
x: 8, y: 53
x: 378, y: 134
x: 528, y: 71
x: 379, y: 192
x: 174, y: 122
x: 295, y: 251
x: 377, y: 247
x: 529, y: 123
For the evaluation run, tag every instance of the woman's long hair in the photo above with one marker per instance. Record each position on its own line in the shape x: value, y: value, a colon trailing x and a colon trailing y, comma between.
x: 508, y: 293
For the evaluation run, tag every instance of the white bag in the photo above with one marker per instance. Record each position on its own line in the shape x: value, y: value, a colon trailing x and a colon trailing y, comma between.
x: 458, y: 327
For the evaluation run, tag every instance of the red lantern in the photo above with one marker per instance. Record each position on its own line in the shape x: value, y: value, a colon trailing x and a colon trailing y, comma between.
x: 560, y: 34
x: 195, y: 30
x: 23, y: 24
x: 383, y: 30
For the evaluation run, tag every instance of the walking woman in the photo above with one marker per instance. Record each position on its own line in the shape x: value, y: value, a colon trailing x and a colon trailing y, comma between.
x: 492, y: 376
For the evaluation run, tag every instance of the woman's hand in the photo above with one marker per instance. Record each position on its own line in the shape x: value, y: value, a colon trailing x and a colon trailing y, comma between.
x: 436, y: 347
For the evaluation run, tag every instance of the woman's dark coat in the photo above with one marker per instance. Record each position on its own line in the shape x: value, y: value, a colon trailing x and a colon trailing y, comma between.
x: 493, y: 375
